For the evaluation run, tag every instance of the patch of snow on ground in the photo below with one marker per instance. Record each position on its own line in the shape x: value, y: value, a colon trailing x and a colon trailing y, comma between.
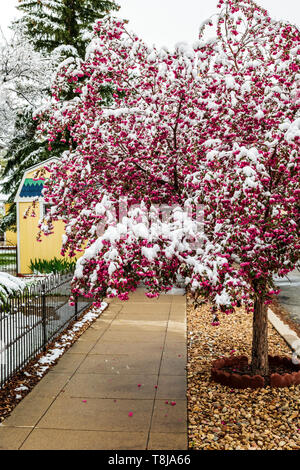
x: 53, y: 354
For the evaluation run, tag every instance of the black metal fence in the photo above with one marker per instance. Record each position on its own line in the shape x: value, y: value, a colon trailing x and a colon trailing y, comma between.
x: 32, y: 318
x: 8, y: 259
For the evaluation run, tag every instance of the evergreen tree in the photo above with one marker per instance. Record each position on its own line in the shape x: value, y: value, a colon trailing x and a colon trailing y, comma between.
x: 27, y: 151
x: 59, y: 28
x: 53, y: 23
x: 23, y: 152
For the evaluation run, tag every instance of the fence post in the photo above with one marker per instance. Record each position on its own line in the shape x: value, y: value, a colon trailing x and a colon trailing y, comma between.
x: 17, y: 266
x: 44, y: 316
x: 76, y: 307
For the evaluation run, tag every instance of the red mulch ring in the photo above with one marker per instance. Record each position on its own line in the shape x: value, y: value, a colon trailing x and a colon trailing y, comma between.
x: 235, y: 372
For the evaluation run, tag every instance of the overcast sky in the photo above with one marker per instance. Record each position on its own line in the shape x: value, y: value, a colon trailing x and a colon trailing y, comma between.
x: 165, y: 22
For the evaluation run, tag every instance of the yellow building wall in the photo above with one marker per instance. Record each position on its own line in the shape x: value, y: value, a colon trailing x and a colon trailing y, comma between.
x: 10, y: 236
x: 29, y: 247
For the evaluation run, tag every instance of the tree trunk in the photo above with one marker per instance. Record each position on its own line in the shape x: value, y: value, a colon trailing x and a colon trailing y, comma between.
x: 260, y: 363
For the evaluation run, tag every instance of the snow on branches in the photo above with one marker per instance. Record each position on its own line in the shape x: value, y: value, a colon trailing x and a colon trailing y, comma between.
x: 24, y: 80
x: 213, y: 126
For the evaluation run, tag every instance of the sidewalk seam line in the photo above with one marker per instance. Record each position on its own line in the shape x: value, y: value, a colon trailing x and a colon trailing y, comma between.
x: 55, y: 398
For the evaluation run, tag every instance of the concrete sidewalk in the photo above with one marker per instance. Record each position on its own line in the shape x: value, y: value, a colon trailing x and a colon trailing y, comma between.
x: 109, y: 391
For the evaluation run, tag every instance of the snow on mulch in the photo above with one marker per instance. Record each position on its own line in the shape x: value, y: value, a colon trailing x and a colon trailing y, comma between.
x: 224, y: 419
x: 23, y: 382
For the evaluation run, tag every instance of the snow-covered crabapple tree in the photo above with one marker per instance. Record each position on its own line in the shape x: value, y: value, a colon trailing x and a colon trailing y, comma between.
x: 214, y: 125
